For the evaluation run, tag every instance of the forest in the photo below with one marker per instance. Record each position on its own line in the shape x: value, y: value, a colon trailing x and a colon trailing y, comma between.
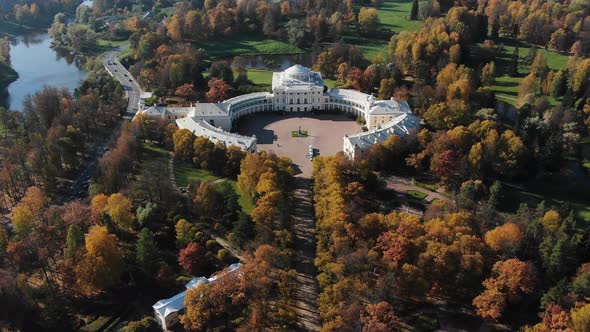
x: 508, y: 250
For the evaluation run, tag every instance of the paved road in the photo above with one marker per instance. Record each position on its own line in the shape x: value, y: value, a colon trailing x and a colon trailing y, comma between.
x: 306, y: 297
x: 120, y: 73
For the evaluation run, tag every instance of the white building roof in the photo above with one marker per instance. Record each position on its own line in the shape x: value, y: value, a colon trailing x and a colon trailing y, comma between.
x: 296, y: 77
x: 169, y: 306
x: 401, y: 126
x: 205, y: 129
x: 176, y: 303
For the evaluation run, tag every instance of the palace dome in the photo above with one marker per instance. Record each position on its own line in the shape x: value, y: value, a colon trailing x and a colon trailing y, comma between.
x: 297, y: 71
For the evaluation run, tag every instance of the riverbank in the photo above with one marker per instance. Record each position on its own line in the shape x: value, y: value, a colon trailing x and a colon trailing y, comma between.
x: 7, y: 76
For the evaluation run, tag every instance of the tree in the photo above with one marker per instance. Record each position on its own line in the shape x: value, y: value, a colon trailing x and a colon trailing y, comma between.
x: 147, y: 324
x: 488, y: 74
x: 183, y: 144
x: 74, y: 240
x: 526, y: 89
x: 102, y: 264
x: 119, y: 209
x: 204, y: 153
x: 581, y: 318
x: 414, y: 11
x: 368, y: 20
x: 23, y: 221
x: 506, y: 238
x: 193, y: 258
x: 146, y: 251
x: 380, y: 317
x: 186, y: 90
x: 185, y: 232
x: 218, y: 90
x: 509, y: 280
x: 296, y: 31
x: 551, y: 221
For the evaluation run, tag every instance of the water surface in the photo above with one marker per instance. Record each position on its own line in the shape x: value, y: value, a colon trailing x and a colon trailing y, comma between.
x: 37, y: 65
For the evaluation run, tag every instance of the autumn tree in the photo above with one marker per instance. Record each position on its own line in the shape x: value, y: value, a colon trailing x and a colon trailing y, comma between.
x: 368, y: 20
x: 185, y: 232
x: 506, y: 238
x: 380, y: 317
x: 218, y: 90
x: 183, y: 144
x: 488, y: 74
x: 193, y: 258
x: 510, y: 280
x: 102, y: 264
x: 119, y: 209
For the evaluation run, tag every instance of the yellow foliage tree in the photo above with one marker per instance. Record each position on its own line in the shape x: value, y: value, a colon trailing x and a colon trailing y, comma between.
x: 102, y: 264
x: 506, y: 238
x: 119, y: 209
x: 551, y: 221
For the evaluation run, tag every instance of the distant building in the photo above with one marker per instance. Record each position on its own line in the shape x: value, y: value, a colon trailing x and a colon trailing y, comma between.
x: 297, y: 89
x: 167, y: 312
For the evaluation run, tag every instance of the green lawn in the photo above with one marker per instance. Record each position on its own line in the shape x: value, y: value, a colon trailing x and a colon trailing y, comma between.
x: 586, y: 164
x: 245, y: 44
x: 506, y: 87
x: 186, y: 173
x: 261, y: 77
x: 416, y: 194
x: 296, y: 133
x: 394, y: 16
x: 577, y: 199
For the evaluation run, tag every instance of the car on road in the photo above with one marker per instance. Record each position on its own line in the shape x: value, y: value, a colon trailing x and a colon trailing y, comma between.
x: 115, y: 70
x: 125, y: 75
x: 130, y: 80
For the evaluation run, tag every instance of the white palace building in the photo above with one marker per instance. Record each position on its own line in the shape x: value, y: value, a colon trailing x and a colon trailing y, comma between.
x: 297, y: 89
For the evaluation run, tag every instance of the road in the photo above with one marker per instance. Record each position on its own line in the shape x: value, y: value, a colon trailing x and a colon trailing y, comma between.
x: 307, y: 293
x: 120, y: 73
x: 79, y: 187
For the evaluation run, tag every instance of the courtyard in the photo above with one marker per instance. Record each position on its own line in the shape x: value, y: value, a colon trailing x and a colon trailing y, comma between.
x: 274, y: 133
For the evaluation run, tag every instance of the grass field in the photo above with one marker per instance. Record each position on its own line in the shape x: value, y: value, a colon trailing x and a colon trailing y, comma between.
x: 506, y: 87
x: 577, y: 199
x: 394, y: 16
x: 185, y: 173
x: 416, y: 194
x: 246, y: 44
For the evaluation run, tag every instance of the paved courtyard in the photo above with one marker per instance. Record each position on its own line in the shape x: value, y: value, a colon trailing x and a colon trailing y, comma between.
x: 273, y: 133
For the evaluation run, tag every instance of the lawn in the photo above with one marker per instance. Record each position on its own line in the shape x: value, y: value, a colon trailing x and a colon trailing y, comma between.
x: 506, y: 87
x: 185, y: 173
x: 577, y: 198
x: 296, y: 133
x: 394, y: 16
x: 416, y: 194
x: 245, y: 44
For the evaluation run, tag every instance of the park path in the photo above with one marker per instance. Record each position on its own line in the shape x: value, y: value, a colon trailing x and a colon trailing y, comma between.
x: 402, y: 185
x: 302, y: 217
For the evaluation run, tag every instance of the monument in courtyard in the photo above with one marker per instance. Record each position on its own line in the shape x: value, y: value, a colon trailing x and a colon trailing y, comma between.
x: 297, y: 89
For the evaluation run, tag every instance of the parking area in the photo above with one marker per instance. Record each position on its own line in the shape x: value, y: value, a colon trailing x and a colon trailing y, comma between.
x: 274, y: 133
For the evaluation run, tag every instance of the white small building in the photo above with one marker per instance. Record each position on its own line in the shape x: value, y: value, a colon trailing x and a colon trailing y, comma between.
x: 297, y: 89
x: 167, y: 312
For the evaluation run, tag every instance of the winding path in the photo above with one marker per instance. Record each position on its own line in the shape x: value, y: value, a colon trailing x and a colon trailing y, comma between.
x: 306, y: 298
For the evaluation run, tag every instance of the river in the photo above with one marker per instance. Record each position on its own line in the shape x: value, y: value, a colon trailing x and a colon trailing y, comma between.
x: 37, y: 65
